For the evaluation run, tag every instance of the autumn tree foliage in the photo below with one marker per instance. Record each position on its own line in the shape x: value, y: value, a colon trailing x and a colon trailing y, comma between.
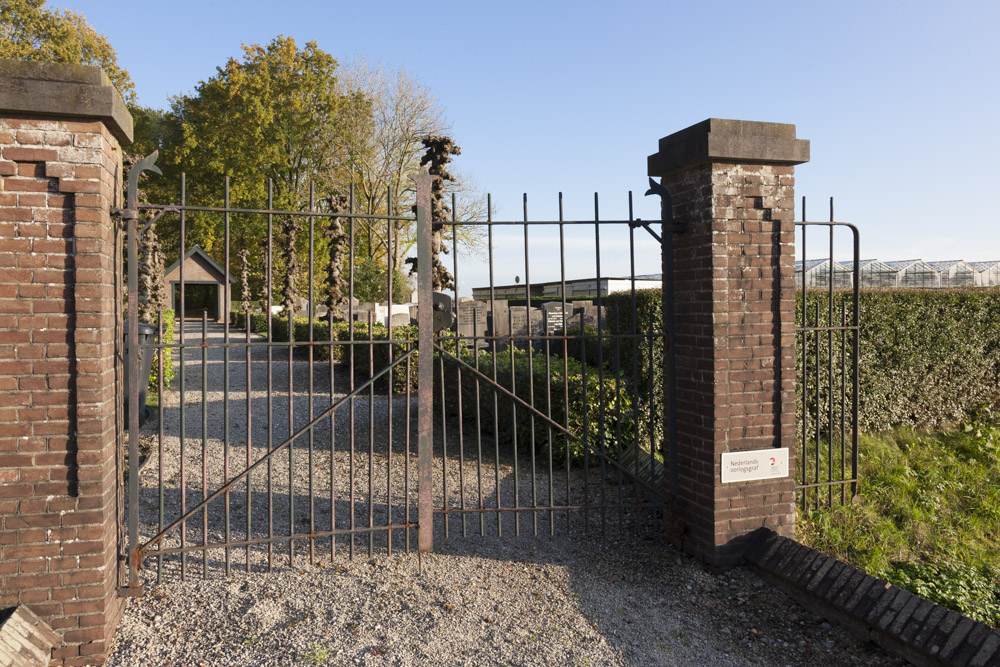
x: 31, y: 31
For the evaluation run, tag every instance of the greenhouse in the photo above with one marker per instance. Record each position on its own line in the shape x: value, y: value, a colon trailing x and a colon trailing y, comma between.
x: 915, y: 273
x: 987, y: 274
x: 955, y: 273
x: 817, y: 274
x: 875, y: 273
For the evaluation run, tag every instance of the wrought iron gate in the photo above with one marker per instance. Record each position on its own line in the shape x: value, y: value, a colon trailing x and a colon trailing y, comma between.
x: 553, y: 416
x: 827, y: 328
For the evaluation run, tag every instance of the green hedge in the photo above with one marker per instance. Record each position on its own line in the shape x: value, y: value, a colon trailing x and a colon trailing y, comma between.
x: 628, y: 355
x: 586, y: 388
x: 926, y: 357
x: 168, y: 354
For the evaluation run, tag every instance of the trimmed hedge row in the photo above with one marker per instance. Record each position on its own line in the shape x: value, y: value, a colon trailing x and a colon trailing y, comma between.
x: 927, y: 357
x: 626, y: 412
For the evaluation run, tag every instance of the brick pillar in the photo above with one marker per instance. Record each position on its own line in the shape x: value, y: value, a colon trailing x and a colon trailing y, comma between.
x: 732, y: 184
x: 61, y: 127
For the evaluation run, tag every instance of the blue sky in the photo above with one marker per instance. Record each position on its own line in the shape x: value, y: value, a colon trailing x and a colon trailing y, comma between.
x: 899, y: 100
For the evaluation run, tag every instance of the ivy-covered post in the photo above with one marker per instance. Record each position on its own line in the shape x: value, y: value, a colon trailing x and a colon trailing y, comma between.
x: 244, y: 256
x: 337, y: 237
x: 438, y: 155
x: 290, y: 227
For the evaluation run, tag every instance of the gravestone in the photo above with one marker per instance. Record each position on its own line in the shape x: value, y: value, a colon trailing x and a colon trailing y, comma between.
x: 518, y: 319
x: 471, y: 319
x: 554, y: 316
x: 300, y: 307
x: 537, y: 318
x: 497, y: 323
x: 400, y: 319
x: 590, y: 316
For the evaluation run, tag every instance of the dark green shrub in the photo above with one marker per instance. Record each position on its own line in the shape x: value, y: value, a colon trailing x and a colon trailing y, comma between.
x: 588, y: 394
x: 168, y: 354
x: 641, y: 348
x: 372, y: 353
x: 927, y: 357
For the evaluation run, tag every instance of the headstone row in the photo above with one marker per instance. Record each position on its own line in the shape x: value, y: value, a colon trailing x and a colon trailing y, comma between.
x: 476, y: 320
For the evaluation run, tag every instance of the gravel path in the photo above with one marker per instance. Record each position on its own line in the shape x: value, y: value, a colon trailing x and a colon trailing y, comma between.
x: 625, y: 599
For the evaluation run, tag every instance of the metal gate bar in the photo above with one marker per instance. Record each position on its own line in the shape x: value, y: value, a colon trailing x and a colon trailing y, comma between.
x: 828, y: 357
x: 203, y: 507
x: 473, y: 389
x: 615, y: 375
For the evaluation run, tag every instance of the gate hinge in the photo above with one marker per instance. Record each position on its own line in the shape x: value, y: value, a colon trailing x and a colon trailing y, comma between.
x: 131, y: 591
x: 670, y: 227
x: 667, y: 222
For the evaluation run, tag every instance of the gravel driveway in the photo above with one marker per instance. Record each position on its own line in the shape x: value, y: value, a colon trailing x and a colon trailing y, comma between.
x: 625, y: 599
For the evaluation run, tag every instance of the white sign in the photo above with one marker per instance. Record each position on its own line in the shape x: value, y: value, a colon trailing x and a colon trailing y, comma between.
x: 756, y: 464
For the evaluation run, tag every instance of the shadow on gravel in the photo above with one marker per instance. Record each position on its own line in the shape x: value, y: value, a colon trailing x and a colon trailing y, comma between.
x: 611, y: 568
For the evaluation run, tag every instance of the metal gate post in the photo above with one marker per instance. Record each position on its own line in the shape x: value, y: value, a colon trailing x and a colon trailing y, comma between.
x: 425, y: 365
x: 133, y: 398
x: 130, y: 216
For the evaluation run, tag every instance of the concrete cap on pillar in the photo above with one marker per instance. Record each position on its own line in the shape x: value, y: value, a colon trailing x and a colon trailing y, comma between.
x: 66, y: 92
x: 724, y: 140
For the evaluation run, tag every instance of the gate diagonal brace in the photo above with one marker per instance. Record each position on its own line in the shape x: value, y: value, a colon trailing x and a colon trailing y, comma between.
x: 141, y: 552
x: 548, y: 421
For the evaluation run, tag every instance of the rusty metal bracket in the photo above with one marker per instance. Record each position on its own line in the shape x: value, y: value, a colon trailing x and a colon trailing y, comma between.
x: 639, y: 222
x: 666, y: 212
x: 131, y: 210
x: 147, y: 163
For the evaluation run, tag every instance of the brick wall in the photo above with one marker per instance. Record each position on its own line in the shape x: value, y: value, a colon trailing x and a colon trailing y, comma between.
x: 735, y: 328
x: 59, y: 424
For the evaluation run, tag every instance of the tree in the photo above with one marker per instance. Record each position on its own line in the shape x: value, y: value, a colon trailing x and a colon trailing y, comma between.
x: 246, y: 296
x: 30, y: 31
x: 388, y: 148
x: 152, y: 291
x: 403, y: 112
x: 290, y: 227
x: 276, y: 115
x: 337, y: 242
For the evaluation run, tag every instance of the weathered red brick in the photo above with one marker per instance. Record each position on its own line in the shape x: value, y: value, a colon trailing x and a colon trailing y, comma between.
x: 21, y: 154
